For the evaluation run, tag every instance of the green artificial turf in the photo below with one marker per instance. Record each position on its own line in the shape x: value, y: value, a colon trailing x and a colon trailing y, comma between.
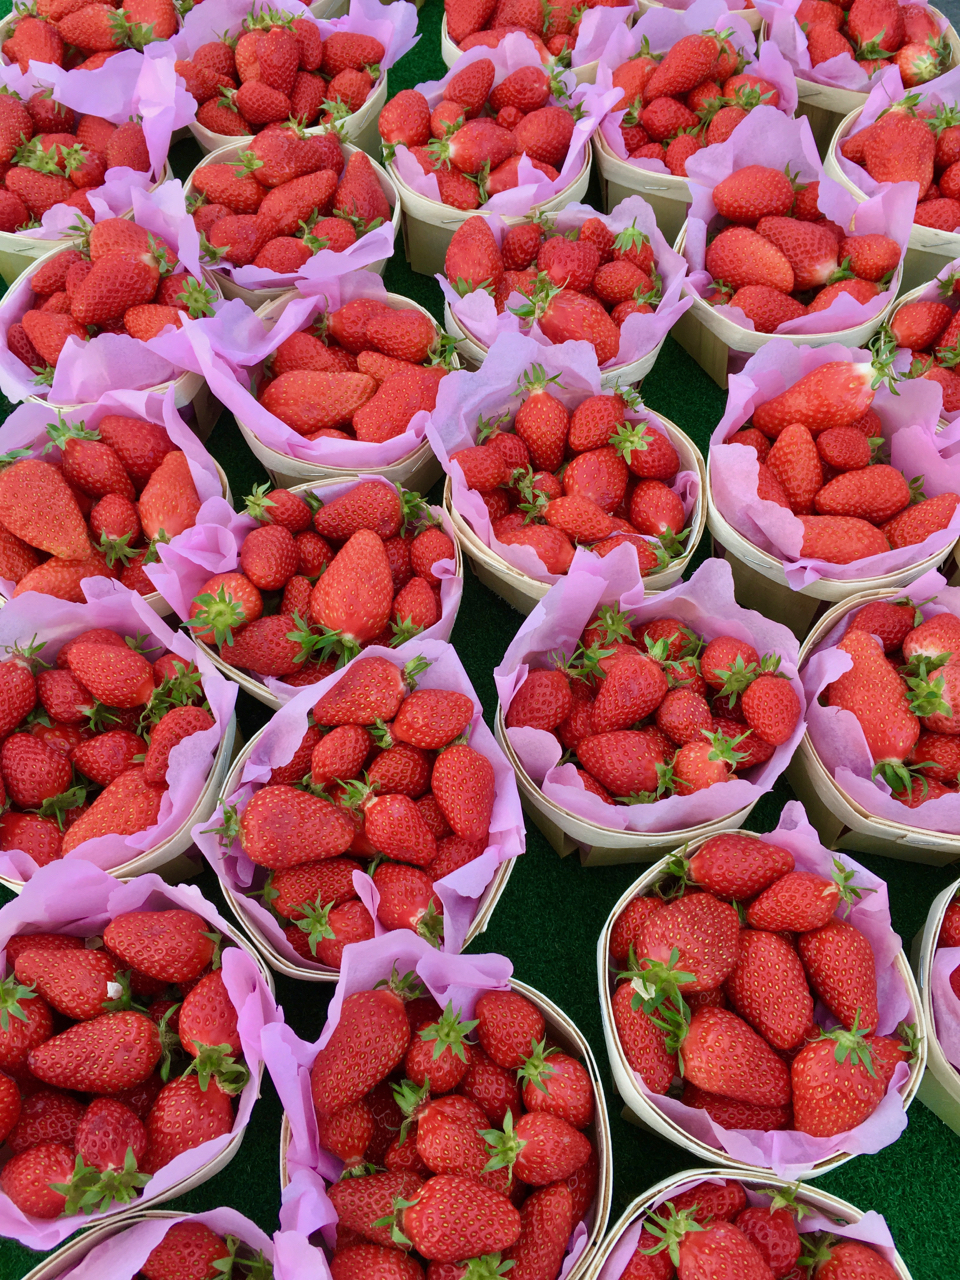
x: 553, y: 910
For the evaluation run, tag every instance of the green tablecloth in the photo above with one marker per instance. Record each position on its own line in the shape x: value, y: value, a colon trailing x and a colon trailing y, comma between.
x: 553, y: 910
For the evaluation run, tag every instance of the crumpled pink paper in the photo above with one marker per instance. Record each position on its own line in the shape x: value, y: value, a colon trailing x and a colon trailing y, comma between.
x: 75, y: 897
x: 26, y: 429
x: 109, y: 604
x: 946, y: 1006
x: 460, y: 891
x: 767, y: 137
x: 463, y: 397
x: 596, y: 28
x: 871, y: 1229
x: 213, y: 546
x: 788, y: 1152
x: 838, y: 738
x: 662, y: 28
x: 705, y: 604
x: 513, y: 52
x: 639, y: 335
x: 841, y: 72
x: 909, y: 427
x: 459, y: 980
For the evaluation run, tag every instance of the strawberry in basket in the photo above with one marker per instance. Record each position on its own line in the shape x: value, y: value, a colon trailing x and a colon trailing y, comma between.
x: 86, y: 37
x: 118, y: 490
x: 280, y: 68
x: 778, y: 258
x: 878, y: 34
x: 655, y: 711
x: 691, y: 97
x: 930, y: 330
x: 122, y: 1052
x: 197, y: 1243
x: 554, y: 33
x: 825, y: 464
x: 482, y: 1139
x: 54, y: 156
x: 354, y: 572
x: 119, y: 279
x: 727, y: 1003
x: 284, y: 198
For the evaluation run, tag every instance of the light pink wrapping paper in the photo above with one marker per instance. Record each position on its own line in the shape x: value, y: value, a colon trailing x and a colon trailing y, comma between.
x: 788, y: 1152
x: 836, y: 734
x: 112, y: 605
x: 459, y: 980
x: 767, y: 137
x: 513, y: 52
x: 461, y: 890
x: 185, y: 562
x: 662, y: 28
x: 841, y: 72
x: 77, y: 898
x: 639, y: 335
x: 909, y: 427
x: 946, y: 1006
x: 706, y: 605
x: 463, y: 397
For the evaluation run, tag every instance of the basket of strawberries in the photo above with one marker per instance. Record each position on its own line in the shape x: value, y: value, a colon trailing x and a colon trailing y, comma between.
x: 604, y: 711
x: 358, y: 562
x: 853, y: 523
x: 370, y: 764
x: 118, y: 735
x: 796, y: 1073
x: 141, y: 997
x: 924, y: 322
x: 503, y: 438
x: 93, y: 492
x: 936, y: 962
x: 755, y: 1226
x: 610, y: 280
x: 524, y: 1138
x: 85, y: 38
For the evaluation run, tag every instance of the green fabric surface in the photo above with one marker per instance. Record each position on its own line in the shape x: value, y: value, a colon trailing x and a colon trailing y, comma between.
x: 553, y: 910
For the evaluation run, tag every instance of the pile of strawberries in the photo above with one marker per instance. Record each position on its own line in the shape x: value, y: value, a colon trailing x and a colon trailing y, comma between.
x: 777, y: 257
x: 691, y: 97
x: 631, y: 708
x: 145, y: 1069
x: 324, y: 579
x: 878, y: 34
x: 822, y: 466
x: 472, y: 141
x: 553, y: 31
x: 285, y: 71
x: 482, y: 1140
x: 714, y: 1225
x: 930, y: 330
x: 581, y: 285
x: 49, y: 155
x: 118, y: 279
x: 358, y: 373
x: 191, y: 1242
x: 382, y: 773
x: 910, y: 143
x: 85, y: 37
x: 904, y: 689
x: 552, y: 479
x: 118, y: 490
x: 86, y: 744
x: 284, y: 198
x: 724, y: 1003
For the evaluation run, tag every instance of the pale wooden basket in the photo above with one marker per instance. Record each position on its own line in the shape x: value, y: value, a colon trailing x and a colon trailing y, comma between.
x: 940, y: 1087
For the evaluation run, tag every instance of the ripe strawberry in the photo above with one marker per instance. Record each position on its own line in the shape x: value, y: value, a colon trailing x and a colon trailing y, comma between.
x: 369, y: 1041
x: 509, y: 1027
x: 702, y: 930
x: 371, y: 689
x: 172, y: 945
x: 739, y: 257
x: 185, y: 1116
x: 106, y: 1137
x: 354, y: 595
x: 454, y: 1217
x: 769, y: 989
x: 797, y: 902
x: 463, y: 786
x: 104, y: 1055
x: 834, y: 395
x: 32, y: 771
x: 918, y: 522
x: 877, y: 696
x: 717, y: 1201
x: 717, y: 1248
x: 834, y: 1086
x: 752, y: 193
x: 839, y: 961
x: 208, y: 1019
x: 187, y: 1249
x: 737, y: 1115
x: 723, y: 1055
x: 29, y: 1178
x: 840, y: 539
x: 281, y: 827
x: 30, y: 491
x: 545, y: 135
x: 556, y: 1083
x: 75, y: 983
x: 407, y: 900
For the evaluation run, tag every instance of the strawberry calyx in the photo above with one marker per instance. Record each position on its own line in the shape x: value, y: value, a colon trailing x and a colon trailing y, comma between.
x: 91, y: 1190
x: 181, y: 690
x: 785, y: 1198
x: 124, y: 1001
x: 208, y: 251
x: 229, y: 829
x: 405, y: 987
x: 630, y: 438
x: 899, y: 777
x: 404, y: 629
x: 197, y: 298
x: 670, y: 1230
x: 613, y: 623
x: 536, y: 1068
x: 926, y: 691
x: 411, y: 1099
x: 504, y: 1146
x: 392, y: 1220
x: 56, y: 806
x: 817, y: 1249
x: 843, y: 877
x: 737, y: 677
x: 12, y: 456
x: 32, y: 155
x: 851, y: 1044
x: 908, y: 1033
x: 631, y: 238
x: 256, y: 1268
x: 218, y: 613
x: 115, y: 549
x: 315, y: 922
x: 488, y: 1267
x: 338, y: 110
x: 656, y: 986
x: 430, y: 926
x: 12, y: 995
x: 448, y: 1032
x: 539, y: 299
x: 61, y: 431
x: 216, y: 1062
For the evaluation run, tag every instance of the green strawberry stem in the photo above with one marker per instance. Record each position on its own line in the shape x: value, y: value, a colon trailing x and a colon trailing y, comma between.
x: 91, y: 1190
x: 12, y: 995
x: 315, y: 922
x: 670, y: 1230
x: 216, y: 1062
x: 449, y: 1032
x: 851, y: 1044
x: 504, y: 1146
x: 219, y: 614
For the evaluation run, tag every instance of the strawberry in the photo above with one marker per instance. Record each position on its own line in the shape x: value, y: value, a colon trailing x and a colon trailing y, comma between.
x: 281, y: 827
x: 834, y: 395
x: 900, y: 148
x: 117, y: 677
x: 840, y: 539
x: 463, y: 786
x: 407, y: 900
x: 721, y: 1054
x: 509, y: 1027
x: 737, y: 1115
x: 371, y: 689
x: 171, y: 945
x: 717, y: 1248
x: 359, y: 194
x: 30, y: 490
x: 307, y: 401
x: 109, y: 1138
x: 369, y: 1041
x: 454, y: 1217
x: 543, y: 701
x: 185, y: 1116
x: 105, y: 757
x: 103, y: 1055
x: 352, y: 599
x: 769, y: 989
x: 76, y: 984
x: 545, y: 135
x: 32, y: 771
x: 361, y: 1202
x: 877, y: 696
x: 918, y: 522
x: 29, y: 1179
x: 810, y: 249
x: 753, y: 193
x: 188, y: 1248
x: 839, y: 961
x: 556, y: 1083
x: 721, y: 1202
x: 208, y: 1020
x: 738, y: 865
x: 473, y: 260
x: 633, y: 688
x: 834, y: 1085
x: 702, y: 930
x: 739, y: 257
x: 876, y: 493
x: 546, y: 1219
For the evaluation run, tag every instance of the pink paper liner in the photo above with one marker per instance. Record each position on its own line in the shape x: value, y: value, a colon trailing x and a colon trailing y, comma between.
x: 463, y: 397
x: 596, y: 28
x: 639, y: 335
x: 909, y: 420
x: 460, y: 891
x: 931, y: 293
x: 213, y: 546
x: 513, y: 52
x: 75, y: 897
x: 705, y: 604
x: 109, y: 604
x: 946, y: 1006
x: 459, y: 980
x: 790, y: 1153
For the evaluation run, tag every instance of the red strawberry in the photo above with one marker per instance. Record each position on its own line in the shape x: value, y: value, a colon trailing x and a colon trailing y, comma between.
x: 187, y: 1244
x: 769, y: 989
x: 354, y: 595
x: 282, y: 826
x: 46, y: 1116
x: 720, y: 1202
x: 721, y: 1054
x: 369, y: 1040
x: 75, y: 983
x: 128, y: 805
x: 183, y: 1117
x: 171, y: 945
x: 839, y: 961
x: 509, y: 1027
x: 737, y: 1115
x: 463, y: 786
x: 841, y: 539
x: 371, y: 689
x: 106, y: 1134
x: 454, y: 1217
x: 104, y: 1055
x: 407, y: 900
x: 834, y: 1086
x: 28, y: 1179
x: 877, y: 696
x: 702, y: 929
x: 833, y: 395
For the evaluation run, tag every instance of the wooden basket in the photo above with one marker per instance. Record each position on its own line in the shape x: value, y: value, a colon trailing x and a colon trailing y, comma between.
x: 667, y: 195
x: 72, y: 1252
x: 825, y: 1204
x: 840, y: 821
x: 641, y: 1110
x: 940, y: 1087
x: 451, y: 52
x: 562, y: 1031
